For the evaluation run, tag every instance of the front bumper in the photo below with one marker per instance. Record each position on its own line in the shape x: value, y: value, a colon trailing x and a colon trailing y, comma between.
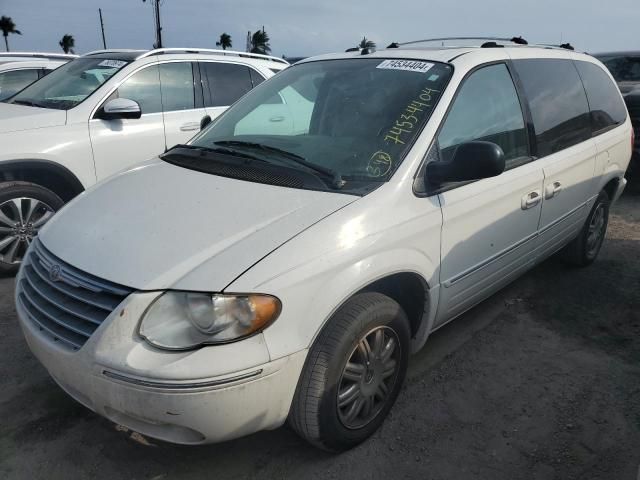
x: 208, y: 395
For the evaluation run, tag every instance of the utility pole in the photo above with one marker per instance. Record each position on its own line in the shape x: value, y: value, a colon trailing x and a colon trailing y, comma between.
x: 156, y: 17
x: 104, y: 42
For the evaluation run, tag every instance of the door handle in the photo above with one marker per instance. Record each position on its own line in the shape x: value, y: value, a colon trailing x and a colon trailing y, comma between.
x: 189, y: 126
x: 531, y: 199
x: 279, y: 118
x: 552, y: 189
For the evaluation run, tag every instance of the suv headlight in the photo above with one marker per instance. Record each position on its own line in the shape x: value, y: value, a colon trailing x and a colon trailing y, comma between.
x: 183, y: 320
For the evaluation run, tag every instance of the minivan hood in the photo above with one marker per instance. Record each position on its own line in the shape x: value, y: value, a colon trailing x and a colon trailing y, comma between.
x: 161, y: 226
x: 14, y: 118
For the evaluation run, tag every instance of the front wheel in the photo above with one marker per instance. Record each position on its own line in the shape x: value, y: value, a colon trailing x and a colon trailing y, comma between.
x: 353, y: 373
x: 24, y: 209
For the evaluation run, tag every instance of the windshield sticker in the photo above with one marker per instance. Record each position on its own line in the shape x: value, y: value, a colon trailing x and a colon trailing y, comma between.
x: 379, y: 164
x: 407, y: 65
x: 405, y: 125
x: 433, y: 77
x: 112, y: 63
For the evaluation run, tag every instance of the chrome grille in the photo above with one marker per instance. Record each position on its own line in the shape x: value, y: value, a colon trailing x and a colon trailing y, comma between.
x: 63, y: 301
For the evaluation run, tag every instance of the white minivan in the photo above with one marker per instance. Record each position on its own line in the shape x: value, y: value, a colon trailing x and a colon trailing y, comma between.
x: 104, y: 112
x: 263, y: 273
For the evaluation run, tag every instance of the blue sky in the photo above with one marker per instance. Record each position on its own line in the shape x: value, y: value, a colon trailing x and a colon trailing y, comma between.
x: 308, y: 27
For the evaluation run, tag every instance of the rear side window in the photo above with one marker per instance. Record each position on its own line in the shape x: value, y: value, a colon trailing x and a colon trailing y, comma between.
x: 176, y: 81
x: 607, y: 108
x: 486, y: 108
x: 558, y: 103
x: 226, y: 82
x: 13, y: 81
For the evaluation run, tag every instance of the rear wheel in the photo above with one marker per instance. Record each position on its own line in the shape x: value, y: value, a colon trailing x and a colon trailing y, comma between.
x: 353, y: 373
x: 584, y: 249
x: 24, y: 209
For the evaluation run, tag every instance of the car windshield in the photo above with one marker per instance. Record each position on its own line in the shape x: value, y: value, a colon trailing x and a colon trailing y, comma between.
x: 623, y: 68
x: 68, y: 85
x: 349, y: 121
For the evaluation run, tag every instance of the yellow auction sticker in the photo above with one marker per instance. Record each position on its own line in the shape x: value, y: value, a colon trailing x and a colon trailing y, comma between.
x: 379, y: 164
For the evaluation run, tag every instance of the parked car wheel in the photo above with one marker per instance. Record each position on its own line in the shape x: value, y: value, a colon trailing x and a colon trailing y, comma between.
x: 353, y: 373
x: 584, y: 249
x: 24, y: 209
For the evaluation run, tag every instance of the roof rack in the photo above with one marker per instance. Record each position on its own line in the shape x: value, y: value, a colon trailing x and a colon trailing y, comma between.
x: 113, y: 50
x: 160, y: 51
x: 514, y: 40
x: 64, y: 56
x: 566, y: 46
x: 488, y: 42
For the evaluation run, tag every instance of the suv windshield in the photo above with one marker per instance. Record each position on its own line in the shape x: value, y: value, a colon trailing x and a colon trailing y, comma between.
x: 68, y: 85
x: 623, y: 68
x: 349, y: 122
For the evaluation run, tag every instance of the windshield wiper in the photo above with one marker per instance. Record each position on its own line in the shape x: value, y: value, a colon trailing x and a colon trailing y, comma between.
x: 336, y: 180
x: 224, y: 151
x: 28, y: 103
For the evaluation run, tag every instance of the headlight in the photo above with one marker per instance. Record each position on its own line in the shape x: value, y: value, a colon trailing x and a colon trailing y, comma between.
x: 182, y: 320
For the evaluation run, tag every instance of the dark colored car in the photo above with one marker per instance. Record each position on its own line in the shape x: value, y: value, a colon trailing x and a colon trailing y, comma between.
x: 625, y: 68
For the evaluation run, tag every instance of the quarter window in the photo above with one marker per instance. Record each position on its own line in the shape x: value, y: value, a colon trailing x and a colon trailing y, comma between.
x: 176, y: 81
x: 558, y: 103
x: 256, y: 78
x: 486, y: 108
x: 227, y: 82
x: 144, y: 88
x: 607, y: 108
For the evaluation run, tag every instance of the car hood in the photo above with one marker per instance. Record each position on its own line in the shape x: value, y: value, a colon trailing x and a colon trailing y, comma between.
x: 14, y: 118
x: 161, y: 226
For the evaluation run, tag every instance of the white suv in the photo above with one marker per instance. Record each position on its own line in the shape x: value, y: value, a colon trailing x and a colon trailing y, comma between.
x: 101, y: 113
x: 19, y: 69
x: 261, y: 273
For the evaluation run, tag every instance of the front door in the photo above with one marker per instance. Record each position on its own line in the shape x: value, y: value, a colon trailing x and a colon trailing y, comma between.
x: 489, y: 226
x: 183, y: 109
x: 120, y: 143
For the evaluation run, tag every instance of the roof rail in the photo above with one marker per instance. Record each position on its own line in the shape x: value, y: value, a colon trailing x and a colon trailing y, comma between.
x: 39, y: 55
x: 515, y: 40
x: 112, y: 50
x: 160, y: 51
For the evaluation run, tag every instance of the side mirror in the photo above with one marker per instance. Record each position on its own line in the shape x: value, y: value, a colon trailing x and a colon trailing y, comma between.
x: 121, y: 108
x: 471, y: 161
x: 206, y: 120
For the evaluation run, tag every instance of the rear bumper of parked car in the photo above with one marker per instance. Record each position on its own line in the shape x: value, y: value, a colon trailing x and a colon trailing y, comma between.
x: 190, y: 408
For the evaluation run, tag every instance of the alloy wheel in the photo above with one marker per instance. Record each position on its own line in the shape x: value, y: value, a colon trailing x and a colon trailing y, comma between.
x: 595, y: 233
x: 20, y: 220
x: 368, y: 377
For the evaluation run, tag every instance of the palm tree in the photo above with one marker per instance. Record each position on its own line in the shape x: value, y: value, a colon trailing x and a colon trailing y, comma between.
x: 365, y: 43
x: 260, y: 42
x: 225, y: 41
x: 67, y: 43
x: 7, y: 26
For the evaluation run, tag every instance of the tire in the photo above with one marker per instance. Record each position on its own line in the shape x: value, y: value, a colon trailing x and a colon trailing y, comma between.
x: 24, y: 209
x: 584, y: 249
x: 315, y: 413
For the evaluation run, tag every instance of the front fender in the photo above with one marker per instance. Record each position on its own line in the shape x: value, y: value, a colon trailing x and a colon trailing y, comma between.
x: 321, y: 268
x: 65, y: 145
